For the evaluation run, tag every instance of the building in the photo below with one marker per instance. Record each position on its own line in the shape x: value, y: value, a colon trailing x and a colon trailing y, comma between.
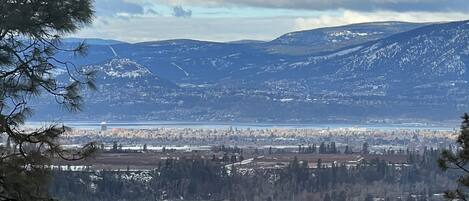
x: 103, y: 126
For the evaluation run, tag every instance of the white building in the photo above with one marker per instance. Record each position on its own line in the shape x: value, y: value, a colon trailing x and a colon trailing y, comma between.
x: 103, y: 126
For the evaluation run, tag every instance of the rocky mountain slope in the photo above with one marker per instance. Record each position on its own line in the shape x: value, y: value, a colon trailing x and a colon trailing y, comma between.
x: 355, y: 73
x: 334, y: 38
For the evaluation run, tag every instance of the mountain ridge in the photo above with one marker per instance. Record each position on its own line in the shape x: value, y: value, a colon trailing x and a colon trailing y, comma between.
x: 405, y: 74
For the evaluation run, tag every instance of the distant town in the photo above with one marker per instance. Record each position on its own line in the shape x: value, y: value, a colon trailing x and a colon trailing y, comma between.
x: 252, y: 143
x: 373, y: 158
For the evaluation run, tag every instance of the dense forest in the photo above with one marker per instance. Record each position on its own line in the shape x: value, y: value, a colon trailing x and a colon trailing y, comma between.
x: 205, y: 179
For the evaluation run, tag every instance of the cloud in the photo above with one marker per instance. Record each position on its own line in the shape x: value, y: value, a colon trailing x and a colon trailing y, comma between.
x: 356, y: 5
x: 152, y: 28
x: 150, y: 20
x: 152, y: 12
x: 179, y: 11
x: 115, y: 7
x: 140, y: 29
x: 351, y: 17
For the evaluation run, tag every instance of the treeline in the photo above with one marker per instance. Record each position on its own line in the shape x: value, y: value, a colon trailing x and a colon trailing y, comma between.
x: 418, y: 179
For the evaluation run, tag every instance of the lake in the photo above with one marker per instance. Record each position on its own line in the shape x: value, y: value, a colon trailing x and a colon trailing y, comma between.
x: 211, y: 125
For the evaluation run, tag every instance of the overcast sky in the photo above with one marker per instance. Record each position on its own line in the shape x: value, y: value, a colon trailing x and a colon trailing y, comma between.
x: 230, y: 20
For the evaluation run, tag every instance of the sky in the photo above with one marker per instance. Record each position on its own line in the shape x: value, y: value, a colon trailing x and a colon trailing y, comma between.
x: 232, y: 20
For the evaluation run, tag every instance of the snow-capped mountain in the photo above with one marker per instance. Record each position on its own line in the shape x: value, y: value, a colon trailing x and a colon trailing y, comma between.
x: 357, y: 72
x: 334, y: 38
x: 432, y: 52
x: 355, y: 32
x: 122, y: 68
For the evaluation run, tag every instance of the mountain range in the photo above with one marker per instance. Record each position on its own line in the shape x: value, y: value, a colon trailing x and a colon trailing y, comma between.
x: 370, y: 72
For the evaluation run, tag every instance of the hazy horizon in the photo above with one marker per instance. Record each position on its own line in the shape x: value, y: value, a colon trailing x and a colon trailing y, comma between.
x: 251, y: 39
x: 224, y: 21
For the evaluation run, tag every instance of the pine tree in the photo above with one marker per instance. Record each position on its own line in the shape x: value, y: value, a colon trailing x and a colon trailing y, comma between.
x: 319, y: 164
x: 365, y: 148
x: 348, y: 150
x: 459, y: 160
x: 369, y: 197
x: 410, y: 198
x: 114, y: 147
x: 30, y: 33
x: 322, y: 148
x: 342, y: 196
x: 327, y: 197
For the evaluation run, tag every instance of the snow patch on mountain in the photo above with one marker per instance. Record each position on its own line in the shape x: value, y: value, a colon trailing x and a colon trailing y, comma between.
x: 339, y: 36
x: 342, y: 52
x: 124, y: 68
x: 440, y: 52
x: 180, y: 68
x: 466, y: 52
x: 317, y: 59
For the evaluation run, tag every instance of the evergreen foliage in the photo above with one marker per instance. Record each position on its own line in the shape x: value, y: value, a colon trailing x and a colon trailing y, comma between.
x: 458, y: 160
x: 30, y: 37
x: 204, y: 179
